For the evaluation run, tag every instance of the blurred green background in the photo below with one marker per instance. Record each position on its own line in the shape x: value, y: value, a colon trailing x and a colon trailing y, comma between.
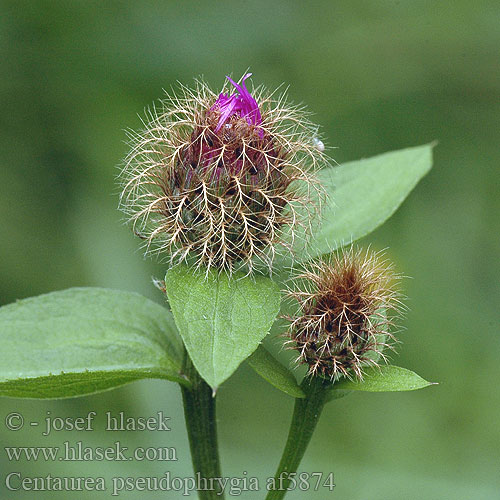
x: 378, y: 75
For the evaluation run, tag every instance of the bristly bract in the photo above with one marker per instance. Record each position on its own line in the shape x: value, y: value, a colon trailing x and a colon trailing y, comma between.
x: 219, y: 179
x: 343, y: 322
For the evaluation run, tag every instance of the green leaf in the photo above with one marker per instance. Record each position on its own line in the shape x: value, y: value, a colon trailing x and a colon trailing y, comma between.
x: 221, y: 319
x: 84, y: 340
x: 384, y: 379
x: 270, y: 369
x: 361, y: 195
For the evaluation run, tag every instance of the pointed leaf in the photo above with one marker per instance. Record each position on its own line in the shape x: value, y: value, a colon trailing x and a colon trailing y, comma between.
x: 361, y: 195
x: 221, y: 319
x: 384, y: 379
x: 270, y: 369
x: 83, y: 340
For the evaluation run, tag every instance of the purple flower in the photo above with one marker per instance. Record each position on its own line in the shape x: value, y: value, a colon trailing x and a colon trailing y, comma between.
x: 241, y: 104
x: 218, y: 178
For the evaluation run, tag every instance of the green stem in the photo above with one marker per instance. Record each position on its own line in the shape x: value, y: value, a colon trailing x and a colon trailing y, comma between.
x: 199, y: 413
x: 305, y: 417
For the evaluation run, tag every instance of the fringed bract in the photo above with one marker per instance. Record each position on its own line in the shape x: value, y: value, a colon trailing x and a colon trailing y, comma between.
x: 343, y: 322
x: 221, y: 178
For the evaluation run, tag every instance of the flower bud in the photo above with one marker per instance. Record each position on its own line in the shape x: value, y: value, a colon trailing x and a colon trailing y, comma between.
x: 342, y: 324
x: 221, y: 177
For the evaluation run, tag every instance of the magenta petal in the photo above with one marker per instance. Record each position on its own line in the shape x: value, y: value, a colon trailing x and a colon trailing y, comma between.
x: 227, y: 110
x: 241, y: 104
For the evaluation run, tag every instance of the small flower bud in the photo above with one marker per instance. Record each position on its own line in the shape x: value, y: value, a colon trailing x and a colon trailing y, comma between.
x: 342, y: 323
x: 220, y: 177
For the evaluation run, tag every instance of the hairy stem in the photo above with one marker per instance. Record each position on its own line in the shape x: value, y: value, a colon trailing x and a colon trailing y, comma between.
x: 199, y: 413
x: 305, y: 417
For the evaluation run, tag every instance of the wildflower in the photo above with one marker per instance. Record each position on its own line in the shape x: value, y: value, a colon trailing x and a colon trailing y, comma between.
x: 342, y: 324
x: 241, y: 104
x: 223, y: 179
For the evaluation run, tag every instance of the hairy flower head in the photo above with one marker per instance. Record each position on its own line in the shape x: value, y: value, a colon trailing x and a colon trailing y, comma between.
x: 342, y: 324
x: 221, y: 178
